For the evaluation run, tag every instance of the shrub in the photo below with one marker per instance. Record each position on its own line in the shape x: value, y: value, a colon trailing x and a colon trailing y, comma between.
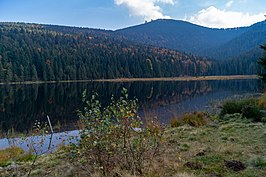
x: 262, y: 101
x: 252, y: 112
x: 236, y: 106
x: 175, y: 122
x: 115, y: 137
x: 230, y: 107
x: 249, y: 108
x: 195, y: 119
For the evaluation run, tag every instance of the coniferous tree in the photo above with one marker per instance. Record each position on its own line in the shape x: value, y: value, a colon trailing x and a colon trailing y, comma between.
x: 34, y: 73
x: 2, y: 73
x: 9, y: 74
x: 21, y: 73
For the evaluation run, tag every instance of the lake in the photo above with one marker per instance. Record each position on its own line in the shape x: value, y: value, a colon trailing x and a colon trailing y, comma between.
x: 22, y: 105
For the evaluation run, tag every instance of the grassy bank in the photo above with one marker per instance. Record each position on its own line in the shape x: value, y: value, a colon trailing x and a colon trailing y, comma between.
x: 188, y: 78
x: 185, y: 151
x: 115, y: 142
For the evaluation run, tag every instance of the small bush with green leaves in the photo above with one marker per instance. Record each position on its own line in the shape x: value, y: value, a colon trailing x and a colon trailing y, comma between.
x: 236, y: 106
x: 195, y: 119
x: 252, y: 112
x: 115, y: 137
x: 249, y: 108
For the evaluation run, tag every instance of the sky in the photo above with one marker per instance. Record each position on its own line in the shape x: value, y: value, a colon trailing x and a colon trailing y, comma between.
x: 116, y: 14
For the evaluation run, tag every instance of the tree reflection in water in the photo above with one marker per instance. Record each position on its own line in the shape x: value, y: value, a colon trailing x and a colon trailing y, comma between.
x: 22, y: 105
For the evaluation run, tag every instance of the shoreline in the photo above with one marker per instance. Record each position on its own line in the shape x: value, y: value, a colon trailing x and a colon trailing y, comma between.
x: 186, y: 78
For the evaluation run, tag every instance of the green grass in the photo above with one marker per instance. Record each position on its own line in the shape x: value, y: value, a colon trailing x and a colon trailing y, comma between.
x: 15, y: 155
x: 234, y: 139
x: 206, y: 148
x: 249, y: 108
x: 7, y: 155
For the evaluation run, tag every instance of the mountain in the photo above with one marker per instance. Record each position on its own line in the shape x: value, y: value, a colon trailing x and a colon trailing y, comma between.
x: 180, y: 35
x: 210, y: 42
x: 161, y: 48
x: 53, y: 53
x: 247, y: 45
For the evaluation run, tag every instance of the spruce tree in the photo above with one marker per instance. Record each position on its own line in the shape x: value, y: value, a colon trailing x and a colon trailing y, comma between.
x: 21, y: 73
x: 34, y: 74
x: 9, y: 74
x: 2, y: 73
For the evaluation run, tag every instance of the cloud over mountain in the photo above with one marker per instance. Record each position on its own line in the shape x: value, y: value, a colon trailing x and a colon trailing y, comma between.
x: 147, y: 9
x: 218, y: 18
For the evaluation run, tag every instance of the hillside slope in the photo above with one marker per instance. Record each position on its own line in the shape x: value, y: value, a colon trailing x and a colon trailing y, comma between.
x: 218, y: 44
x: 247, y: 43
x: 44, y: 52
x: 180, y: 35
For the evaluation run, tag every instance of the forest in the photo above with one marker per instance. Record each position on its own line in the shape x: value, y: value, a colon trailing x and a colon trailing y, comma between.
x: 34, y: 52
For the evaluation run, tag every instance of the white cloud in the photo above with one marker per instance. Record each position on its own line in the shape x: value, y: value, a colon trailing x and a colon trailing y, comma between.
x: 217, y: 18
x: 147, y: 9
x: 229, y: 3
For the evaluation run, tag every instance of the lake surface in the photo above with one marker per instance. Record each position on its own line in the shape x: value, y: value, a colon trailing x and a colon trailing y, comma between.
x: 22, y: 105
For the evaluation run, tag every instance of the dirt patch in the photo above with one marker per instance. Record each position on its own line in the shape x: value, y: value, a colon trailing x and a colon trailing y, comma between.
x: 193, y: 165
x: 234, y: 165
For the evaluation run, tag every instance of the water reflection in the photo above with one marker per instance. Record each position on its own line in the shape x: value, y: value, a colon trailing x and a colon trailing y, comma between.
x: 21, y: 105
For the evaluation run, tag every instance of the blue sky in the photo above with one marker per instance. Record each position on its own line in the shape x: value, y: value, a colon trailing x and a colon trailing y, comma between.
x: 114, y: 14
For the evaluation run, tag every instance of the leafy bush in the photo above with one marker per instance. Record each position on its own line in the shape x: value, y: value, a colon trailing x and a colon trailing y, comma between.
x: 195, y: 119
x: 236, y: 106
x: 252, y: 112
x: 249, y: 108
x: 115, y: 137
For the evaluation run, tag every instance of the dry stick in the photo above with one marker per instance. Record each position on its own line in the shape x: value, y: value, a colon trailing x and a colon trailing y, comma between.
x: 52, y: 131
x: 50, y: 142
x: 50, y: 124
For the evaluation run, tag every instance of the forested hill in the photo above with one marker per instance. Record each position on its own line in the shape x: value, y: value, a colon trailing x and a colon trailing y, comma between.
x: 220, y: 44
x: 180, y: 35
x: 30, y: 52
x: 245, y: 46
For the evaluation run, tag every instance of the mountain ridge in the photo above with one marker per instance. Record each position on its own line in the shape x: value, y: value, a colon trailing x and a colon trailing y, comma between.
x: 192, y: 38
x: 53, y: 53
x: 182, y: 36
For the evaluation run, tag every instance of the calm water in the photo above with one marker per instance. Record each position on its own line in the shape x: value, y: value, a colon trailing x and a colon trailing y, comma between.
x: 22, y: 105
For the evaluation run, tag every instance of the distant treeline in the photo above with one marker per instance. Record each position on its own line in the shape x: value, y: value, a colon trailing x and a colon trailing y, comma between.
x: 31, y: 52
